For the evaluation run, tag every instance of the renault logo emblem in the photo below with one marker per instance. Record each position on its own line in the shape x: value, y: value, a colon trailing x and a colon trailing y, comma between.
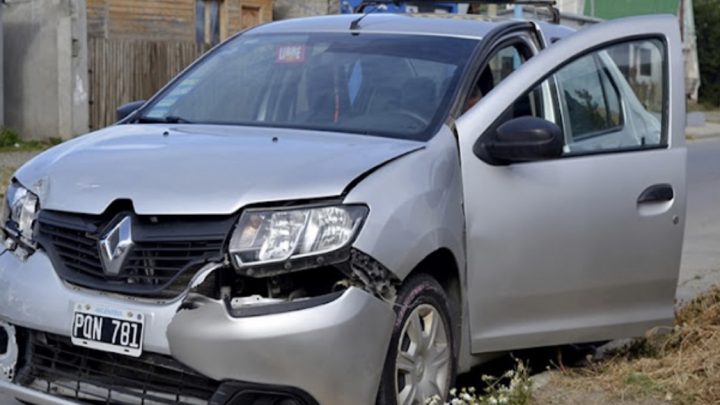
x: 115, y: 246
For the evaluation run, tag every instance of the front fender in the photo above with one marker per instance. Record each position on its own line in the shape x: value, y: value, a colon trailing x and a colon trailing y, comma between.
x: 415, y: 207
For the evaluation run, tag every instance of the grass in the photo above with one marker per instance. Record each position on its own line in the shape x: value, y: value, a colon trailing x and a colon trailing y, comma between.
x: 698, y: 107
x: 701, y: 107
x: 10, y: 141
x: 682, y: 366
x: 678, y: 365
x: 643, y: 384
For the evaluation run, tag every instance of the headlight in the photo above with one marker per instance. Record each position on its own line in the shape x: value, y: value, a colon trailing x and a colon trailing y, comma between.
x: 281, y: 235
x: 22, y: 208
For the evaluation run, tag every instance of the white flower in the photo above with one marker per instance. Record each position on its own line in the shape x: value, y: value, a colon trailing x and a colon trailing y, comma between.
x: 434, y: 400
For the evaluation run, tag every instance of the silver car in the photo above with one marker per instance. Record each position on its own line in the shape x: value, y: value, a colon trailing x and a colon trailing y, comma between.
x: 342, y: 211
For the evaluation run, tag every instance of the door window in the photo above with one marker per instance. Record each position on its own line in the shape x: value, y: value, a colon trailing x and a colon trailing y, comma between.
x: 611, y: 99
x: 502, y: 63
x: 591, y: 99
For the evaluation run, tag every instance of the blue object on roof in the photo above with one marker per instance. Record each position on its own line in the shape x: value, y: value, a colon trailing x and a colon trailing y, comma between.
x: 348, y: 7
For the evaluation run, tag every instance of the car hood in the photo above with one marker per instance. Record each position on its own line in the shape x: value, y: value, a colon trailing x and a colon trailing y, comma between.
x: 193, y: 169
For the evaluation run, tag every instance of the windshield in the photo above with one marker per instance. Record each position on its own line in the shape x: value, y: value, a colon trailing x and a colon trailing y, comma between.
x: 389, y: 85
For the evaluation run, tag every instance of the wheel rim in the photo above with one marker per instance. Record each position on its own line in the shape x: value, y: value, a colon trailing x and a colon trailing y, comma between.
x: 423, y: 362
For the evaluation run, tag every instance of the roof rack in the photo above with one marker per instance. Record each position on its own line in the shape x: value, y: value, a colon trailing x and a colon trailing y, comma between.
x: 549, y: 4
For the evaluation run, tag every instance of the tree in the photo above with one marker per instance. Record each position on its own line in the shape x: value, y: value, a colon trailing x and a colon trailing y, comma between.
x: 707, y: 28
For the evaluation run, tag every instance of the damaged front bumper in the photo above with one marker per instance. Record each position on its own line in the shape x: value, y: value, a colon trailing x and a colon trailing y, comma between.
x: 334, y: 351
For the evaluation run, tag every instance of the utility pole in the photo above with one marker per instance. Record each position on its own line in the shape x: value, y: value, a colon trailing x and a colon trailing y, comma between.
x: 518, y: 11
x: 492, y: 10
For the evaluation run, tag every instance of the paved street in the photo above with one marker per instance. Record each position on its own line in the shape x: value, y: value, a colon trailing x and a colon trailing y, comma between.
x: 701, y: 253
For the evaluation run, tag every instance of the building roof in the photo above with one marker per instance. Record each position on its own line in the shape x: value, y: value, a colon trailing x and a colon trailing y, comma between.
x: 609, y: 9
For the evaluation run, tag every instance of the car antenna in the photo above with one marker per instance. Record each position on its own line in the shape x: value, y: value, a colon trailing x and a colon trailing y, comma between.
x: 363, y: 8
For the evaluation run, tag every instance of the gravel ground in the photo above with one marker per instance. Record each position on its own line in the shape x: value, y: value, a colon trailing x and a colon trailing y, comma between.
x: 9, y: 162
x: 713, y: 116
x: 15, y: 159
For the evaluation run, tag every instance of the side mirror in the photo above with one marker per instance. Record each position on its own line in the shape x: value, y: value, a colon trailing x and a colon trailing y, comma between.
x: 127, y: 109
x: 522, y: 139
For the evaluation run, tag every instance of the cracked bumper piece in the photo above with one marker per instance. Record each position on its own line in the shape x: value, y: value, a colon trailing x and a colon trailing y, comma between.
x: 335, y: 351
x: 30, y: 395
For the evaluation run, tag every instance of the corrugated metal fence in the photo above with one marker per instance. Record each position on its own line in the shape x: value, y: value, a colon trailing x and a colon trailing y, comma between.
x: 128, y: 70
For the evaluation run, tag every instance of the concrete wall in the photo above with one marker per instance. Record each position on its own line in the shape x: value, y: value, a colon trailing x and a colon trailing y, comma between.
x: 45, y: 68
x: 692, y: 64
x: 571, y: 6
x: 284, y: 9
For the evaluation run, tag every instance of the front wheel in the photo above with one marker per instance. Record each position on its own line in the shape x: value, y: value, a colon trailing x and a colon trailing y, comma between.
x: 420, y: 363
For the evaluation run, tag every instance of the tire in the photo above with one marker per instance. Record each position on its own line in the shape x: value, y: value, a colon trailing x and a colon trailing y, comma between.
x: 422, y: 361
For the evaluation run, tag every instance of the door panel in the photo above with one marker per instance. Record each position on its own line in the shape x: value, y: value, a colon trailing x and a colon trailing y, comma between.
x: 566, y: 250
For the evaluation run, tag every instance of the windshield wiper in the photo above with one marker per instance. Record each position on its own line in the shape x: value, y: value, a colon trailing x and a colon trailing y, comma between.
x: 170, y: 119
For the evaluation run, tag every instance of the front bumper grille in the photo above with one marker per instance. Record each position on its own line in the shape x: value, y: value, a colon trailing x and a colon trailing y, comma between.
x: 55, y: 366
x: 166, y: 254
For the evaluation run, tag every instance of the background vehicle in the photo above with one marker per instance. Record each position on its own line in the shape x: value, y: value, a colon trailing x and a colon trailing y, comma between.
x: 324, y: 236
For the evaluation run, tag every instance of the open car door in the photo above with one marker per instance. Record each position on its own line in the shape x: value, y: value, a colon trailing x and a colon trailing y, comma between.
x: 574, y: 189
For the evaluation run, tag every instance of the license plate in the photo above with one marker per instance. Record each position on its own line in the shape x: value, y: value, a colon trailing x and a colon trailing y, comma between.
x: 108, y: 329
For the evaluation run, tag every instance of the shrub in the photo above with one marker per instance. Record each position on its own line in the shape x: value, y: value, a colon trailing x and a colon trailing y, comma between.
x: 8, y: 138
x: 707, y: 28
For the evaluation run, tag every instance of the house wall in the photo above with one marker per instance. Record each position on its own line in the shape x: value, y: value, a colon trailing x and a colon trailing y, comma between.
x: 142, y: 19
x: 240, y: 15
x: 45, y: 68
x: 172, y: 20
x: 137, y: 46
x: 285, y: 9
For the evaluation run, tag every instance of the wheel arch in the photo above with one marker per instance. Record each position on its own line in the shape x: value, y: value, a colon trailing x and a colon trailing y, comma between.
x: 443, y: 266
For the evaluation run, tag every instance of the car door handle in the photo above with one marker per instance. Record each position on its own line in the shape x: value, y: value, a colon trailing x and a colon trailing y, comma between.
x: 656, y: 193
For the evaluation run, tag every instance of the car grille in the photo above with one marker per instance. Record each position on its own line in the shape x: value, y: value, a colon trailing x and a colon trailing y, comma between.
x: 161, y: 263
x: 57, y: 367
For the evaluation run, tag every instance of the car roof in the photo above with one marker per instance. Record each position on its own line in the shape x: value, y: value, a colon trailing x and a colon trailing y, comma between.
x: 451, y: 25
